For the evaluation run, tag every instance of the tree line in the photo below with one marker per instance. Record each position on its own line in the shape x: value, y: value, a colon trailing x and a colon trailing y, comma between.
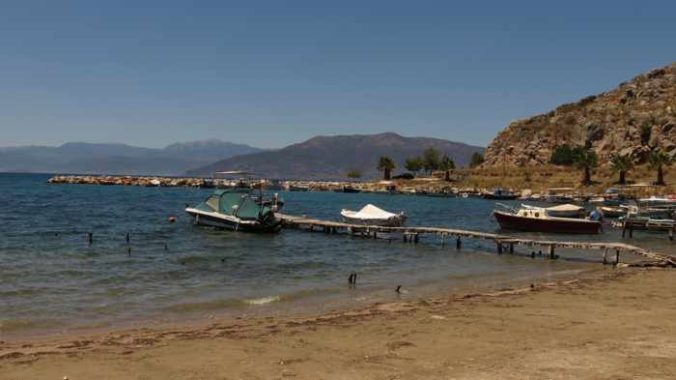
x: 585, y: 158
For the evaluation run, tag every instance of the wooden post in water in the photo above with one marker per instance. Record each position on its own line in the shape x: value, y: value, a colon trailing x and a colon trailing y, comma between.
x: 416, y: 238
x: 671, y: 233
x: 605, y: 256
x: 617, y: 256
x: 552, y: 255
x: 499, y: 248
x: 624, y: 228
x: 511, y: 247
x: 458, y: 243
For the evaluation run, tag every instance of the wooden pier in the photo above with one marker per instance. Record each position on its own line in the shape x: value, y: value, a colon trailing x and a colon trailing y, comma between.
x: 504, y: 243
x: 631, y: 225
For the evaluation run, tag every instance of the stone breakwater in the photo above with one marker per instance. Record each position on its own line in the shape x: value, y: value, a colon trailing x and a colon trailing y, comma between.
x: 127, y: 180
x: 426, y: 187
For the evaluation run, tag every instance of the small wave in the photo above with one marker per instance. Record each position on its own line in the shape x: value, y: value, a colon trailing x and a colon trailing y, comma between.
x: 263, y: 300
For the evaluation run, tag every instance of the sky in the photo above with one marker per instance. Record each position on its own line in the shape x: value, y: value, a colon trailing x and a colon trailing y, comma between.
x: 272, y: 73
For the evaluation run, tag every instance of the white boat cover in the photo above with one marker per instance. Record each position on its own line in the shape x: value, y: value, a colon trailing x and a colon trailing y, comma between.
x: 369, y: 212
x: 566, y: 207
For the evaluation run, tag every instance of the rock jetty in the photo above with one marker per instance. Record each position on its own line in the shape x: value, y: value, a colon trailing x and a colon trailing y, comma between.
x: 107, y: 180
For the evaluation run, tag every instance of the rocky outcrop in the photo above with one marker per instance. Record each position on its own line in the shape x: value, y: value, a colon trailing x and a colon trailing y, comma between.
x: 634, y: 118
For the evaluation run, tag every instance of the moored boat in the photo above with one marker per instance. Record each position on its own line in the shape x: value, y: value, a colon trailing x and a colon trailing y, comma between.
x: 613, y: 211
x: 500, y: 194
x: 534, y: 219
x: 236, y: 209
x: 373, y: 216
x: 347, y: 189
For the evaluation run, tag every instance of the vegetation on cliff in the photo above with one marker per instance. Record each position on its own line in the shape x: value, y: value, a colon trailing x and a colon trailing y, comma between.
x: 634, y: 120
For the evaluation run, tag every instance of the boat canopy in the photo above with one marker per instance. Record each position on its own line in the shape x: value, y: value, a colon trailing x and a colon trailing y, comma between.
x: 566, y: 207
x: 235, y: 202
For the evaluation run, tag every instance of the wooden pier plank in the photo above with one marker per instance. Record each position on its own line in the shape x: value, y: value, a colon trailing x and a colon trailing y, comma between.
x: 300, y: 221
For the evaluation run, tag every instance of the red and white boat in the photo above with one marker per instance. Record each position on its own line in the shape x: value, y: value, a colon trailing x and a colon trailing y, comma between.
x: 536, y: 219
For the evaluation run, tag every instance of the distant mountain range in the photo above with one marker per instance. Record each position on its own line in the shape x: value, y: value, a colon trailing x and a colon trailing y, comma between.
x: 331, y: 157
x: 86, y: 158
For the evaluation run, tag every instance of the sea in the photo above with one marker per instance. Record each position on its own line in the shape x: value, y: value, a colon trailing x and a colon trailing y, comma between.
x: 54, y: 281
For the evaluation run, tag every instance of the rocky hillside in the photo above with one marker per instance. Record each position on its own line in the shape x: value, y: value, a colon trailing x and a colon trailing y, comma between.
x: 633, y: 118
x: 331, y: 157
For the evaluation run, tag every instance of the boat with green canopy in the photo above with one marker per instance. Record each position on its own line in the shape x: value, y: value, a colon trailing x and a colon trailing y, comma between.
x: 236, y: 209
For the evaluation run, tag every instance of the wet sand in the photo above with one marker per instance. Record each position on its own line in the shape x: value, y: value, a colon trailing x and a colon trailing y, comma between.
x: 619, y: 324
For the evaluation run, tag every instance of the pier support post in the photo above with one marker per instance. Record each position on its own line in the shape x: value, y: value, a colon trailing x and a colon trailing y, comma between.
x: 405, y: 237
x: 458, y: 243
x: 499, y: 248
x: 416, y: 238
x: 624, y: 228
x: 617, y: 256
x: 552, y: 255
x: 671, y: 234
x: 605, y: 256
x: 443, y: 240
x: 511, y: 247
x: 631, y: 232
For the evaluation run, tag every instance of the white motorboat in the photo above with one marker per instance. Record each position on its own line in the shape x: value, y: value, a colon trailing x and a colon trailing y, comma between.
x: 373, y: 216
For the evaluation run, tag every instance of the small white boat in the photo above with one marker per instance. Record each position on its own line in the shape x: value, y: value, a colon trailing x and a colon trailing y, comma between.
x: 374, y: 216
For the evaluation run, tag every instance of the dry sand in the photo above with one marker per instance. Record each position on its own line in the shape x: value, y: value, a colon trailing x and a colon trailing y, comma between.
x: 619, y: 325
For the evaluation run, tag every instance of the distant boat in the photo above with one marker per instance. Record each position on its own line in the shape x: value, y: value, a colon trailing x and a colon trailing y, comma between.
x: 534, y: 219
x: 374, y: 216
x: 613, y: 211
x: 236, y: 209
x: 348, y: 189
x: 500, y: 194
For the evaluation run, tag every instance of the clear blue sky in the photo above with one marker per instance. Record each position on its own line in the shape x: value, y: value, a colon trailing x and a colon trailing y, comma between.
x: 277, y: 72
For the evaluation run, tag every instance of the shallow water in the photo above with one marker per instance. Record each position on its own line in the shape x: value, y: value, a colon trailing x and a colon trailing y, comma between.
x: 52, y: 279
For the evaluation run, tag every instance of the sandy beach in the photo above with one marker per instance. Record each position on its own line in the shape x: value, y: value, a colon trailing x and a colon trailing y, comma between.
x: 617, y: 324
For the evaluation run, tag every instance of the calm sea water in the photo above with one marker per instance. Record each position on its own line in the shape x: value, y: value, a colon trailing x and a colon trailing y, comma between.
x: 52, y: 280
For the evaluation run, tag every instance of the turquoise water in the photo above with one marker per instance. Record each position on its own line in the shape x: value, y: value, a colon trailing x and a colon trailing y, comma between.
x: 52, y: 279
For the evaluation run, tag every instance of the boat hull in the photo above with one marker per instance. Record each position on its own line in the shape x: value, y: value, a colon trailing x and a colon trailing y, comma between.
x: 212, y: 219
x: 497, y: 197
x: 390, y: 222
x: 554, y: 225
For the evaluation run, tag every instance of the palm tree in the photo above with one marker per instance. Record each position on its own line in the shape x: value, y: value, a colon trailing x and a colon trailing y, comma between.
x: 657, y: 160
x: 386, y: 165
x: 586, y: 160
x: 621, y: 164
x: 447, y: 164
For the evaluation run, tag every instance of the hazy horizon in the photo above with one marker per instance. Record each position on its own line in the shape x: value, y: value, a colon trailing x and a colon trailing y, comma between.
x: 269, y: 74
x: 303, y: 139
